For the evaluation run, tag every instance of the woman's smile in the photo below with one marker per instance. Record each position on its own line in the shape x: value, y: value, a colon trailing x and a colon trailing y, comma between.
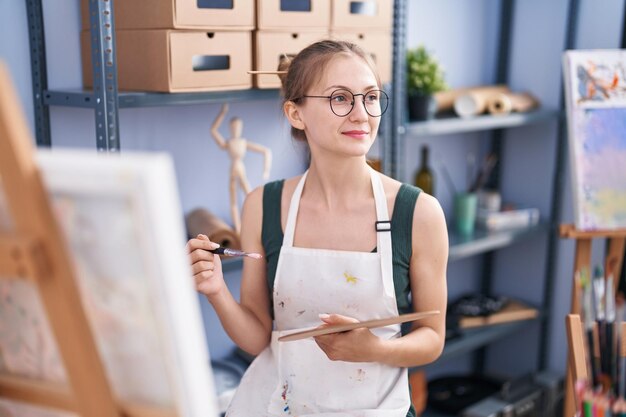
x: 357, y: 134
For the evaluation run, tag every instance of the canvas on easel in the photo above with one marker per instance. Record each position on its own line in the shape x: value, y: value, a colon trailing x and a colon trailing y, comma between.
x: 99, y: 316
x: 595, y: 90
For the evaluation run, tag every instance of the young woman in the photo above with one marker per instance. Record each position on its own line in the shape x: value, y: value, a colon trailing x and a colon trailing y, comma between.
x: 341, y: 243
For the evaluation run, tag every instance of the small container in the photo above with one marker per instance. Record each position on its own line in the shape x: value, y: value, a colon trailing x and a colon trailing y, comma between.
x: 465, y: 205
x: 489, y: 201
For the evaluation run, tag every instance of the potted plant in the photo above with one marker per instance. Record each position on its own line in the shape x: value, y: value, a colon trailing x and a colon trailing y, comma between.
x: 424, y: 77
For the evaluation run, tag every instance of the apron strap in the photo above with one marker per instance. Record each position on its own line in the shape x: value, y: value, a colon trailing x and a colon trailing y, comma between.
x: 383, y: 234
x: 290, y: 227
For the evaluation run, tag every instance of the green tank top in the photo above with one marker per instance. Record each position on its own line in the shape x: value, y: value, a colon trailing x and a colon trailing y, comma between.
x: 401, y: 243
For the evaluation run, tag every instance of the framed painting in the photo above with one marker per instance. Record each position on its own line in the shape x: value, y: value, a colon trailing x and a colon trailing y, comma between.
x: 595, y: 90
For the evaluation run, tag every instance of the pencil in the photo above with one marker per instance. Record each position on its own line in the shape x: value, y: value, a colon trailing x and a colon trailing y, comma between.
x: 588, y: 405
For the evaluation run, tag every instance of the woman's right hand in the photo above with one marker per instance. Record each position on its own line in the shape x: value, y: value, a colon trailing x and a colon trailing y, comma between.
x: 206, y: 267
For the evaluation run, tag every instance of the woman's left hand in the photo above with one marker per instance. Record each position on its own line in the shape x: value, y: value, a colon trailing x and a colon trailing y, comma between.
x: 358, y: 345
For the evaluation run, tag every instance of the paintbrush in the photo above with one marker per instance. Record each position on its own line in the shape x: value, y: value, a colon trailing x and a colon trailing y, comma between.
x: 599, y: 288
x: 267, y: 72
x: 235, y: 252
x: 485, y: 171
x: 228, y: 251
x: 447, y: 178
x: 610, y: 362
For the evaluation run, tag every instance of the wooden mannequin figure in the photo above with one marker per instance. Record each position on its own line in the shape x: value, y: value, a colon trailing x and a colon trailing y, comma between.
x: 236, y: 147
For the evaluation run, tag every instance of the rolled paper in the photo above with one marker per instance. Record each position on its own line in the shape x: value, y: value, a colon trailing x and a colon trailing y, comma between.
x: 475, y: 101
x: 445, y: 99
x: 202, y: 221
x: 470, y: 104
x: 505, y: 103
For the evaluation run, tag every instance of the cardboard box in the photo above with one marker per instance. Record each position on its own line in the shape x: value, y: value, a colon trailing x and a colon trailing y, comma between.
x: 179, y: 14
x: 304, y: 15
x: 377, y: 43
x: 363, y: 15
x: 176, y: 61
x: 270, y: 47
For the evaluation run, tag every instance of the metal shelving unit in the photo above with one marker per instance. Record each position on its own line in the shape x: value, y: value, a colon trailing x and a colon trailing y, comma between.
x: 482, y: 243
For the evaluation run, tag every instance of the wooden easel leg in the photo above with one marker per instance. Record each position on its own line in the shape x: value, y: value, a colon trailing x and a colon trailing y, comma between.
x: 616, y: 253
x: 582, y: 260
x: 568, y: 407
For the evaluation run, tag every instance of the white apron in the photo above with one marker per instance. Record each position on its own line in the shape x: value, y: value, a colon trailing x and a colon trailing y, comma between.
x: 296, y: 378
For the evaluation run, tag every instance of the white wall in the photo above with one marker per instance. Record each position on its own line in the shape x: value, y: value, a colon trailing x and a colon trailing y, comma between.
x: 464, y: 36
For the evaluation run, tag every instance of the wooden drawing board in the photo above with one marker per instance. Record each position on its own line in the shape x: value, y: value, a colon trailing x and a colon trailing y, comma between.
x: 369, y: 324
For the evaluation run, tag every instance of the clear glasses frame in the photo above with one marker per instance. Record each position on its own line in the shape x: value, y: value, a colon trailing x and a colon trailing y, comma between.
x: 342, y: 102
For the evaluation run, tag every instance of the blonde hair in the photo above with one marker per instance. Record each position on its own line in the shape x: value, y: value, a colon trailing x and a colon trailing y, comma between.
x: 303, y: 70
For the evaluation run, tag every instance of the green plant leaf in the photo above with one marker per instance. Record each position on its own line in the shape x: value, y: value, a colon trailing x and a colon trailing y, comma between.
x: 424, y: 73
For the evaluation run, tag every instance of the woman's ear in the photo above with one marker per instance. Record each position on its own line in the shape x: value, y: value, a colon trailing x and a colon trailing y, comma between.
x: 293, y: 115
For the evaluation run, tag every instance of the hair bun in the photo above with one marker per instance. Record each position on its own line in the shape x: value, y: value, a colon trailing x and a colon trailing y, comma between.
x: 283, y: 65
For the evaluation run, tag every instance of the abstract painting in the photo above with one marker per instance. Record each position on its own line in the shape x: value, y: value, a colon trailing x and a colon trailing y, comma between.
x: 595, y: 86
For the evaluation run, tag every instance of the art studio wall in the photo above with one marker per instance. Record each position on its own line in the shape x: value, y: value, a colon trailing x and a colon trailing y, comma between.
x: 464, y: 36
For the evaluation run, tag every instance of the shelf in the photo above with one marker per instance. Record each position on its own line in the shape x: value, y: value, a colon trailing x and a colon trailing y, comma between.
x: 84, y: 98
x: 474, y: 338
x: 448, y: 125
x: 483, y: 241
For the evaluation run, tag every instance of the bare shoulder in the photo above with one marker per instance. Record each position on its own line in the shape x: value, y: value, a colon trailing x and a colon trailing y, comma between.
x: 254, y: 200
x: 252, y: 219
x: 427, y: 209
x: 391, y: 185
x: 430, y: 232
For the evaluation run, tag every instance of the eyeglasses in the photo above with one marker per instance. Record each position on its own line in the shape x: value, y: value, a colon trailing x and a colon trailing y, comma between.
x: 342, y: 102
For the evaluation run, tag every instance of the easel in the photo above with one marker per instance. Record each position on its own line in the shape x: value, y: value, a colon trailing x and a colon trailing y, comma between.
x: 616, y: 242
x: 35, y: 250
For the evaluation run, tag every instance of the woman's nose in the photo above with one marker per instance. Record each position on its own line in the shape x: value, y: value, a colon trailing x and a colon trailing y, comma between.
x: 358, y: 110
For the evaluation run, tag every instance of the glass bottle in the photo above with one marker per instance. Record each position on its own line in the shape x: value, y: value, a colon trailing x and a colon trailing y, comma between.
x: 424, y: 176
